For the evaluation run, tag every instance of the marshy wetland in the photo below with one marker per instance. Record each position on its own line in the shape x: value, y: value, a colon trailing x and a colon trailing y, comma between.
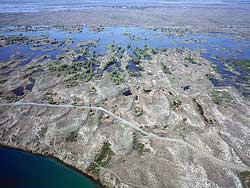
x: 85, y: 46
x: 130, y: 106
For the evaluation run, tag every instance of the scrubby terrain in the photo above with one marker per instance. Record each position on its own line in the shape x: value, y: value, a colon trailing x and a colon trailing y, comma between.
x: 163, y: 126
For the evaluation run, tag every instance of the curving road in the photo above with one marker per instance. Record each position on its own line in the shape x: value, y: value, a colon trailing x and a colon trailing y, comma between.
x: 148, y: 134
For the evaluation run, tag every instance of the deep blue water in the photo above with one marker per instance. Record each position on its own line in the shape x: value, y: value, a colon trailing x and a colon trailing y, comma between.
x: 19, y: 169
x: 216, y: 47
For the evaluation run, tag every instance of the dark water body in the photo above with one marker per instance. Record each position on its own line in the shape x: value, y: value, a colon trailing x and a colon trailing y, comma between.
x: 127, y: 93
x: 215, y: 47
x: 19, y: 91
x: 31, y: 85
x: 20, y: 169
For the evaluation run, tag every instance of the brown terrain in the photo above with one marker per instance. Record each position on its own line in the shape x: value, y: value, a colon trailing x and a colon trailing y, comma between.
x: 215, y: 19
x: 161, y: 135
x: 167, y: 127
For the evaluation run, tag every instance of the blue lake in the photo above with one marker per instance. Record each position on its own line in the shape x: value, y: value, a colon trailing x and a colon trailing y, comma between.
x: 20, y: 169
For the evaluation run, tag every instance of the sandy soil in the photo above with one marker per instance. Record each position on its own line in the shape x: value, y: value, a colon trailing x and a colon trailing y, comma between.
x: 196, y: 18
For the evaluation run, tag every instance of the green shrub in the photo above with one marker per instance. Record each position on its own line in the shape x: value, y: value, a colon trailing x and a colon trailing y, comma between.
x: 116, y: 77
x: 165, y: 69
x: 51, y: 100
x: 138, y: 111
x: 72, y: 137
x: 138, y: 146
x: 176, y: 103
x: 190, y: 60
x: 219, y: 96
x: 245, y: 179
x: 102, y: 160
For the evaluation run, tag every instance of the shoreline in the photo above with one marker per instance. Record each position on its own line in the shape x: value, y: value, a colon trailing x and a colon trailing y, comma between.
x: 52, y: 157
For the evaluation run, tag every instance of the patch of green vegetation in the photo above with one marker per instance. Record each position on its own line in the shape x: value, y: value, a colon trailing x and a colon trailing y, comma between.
x: 176, y: 32
x: 74, y: 79
x: 76, y: 71
x: 245, y: 77
x: 72, y: 137
x: 138, y: 111
x: 122, y: 50
x: 11, y: 98
x: 138, y: 146
x: 92, y: 90
x: 219, y: 96
x: 88, y: 44
x: 144, y: 53
x: 153, y: 51
x: 111, y: 62
x: 84, y: 52
x: 190, y: 60
x: 116, y: 77
x: 131, y: 36
x: 141, y: 53
x: 69, y: 84
x: 68, y: 41
x: 215, y: 68
x: 97, y: 29
x: 2, y: 81
x: 111, y: 47
x: 117, y: 52
x: 133, y: 73
x: 243, y: 65
x: 57, y: 66
x: 51, y: 100
x: 245, y: 178
x: 16, y: 39
x: 102, y: 160
x: 176, y: 103
x: 173, y: 78
x: 84, y: 75
x: 165, y: 69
